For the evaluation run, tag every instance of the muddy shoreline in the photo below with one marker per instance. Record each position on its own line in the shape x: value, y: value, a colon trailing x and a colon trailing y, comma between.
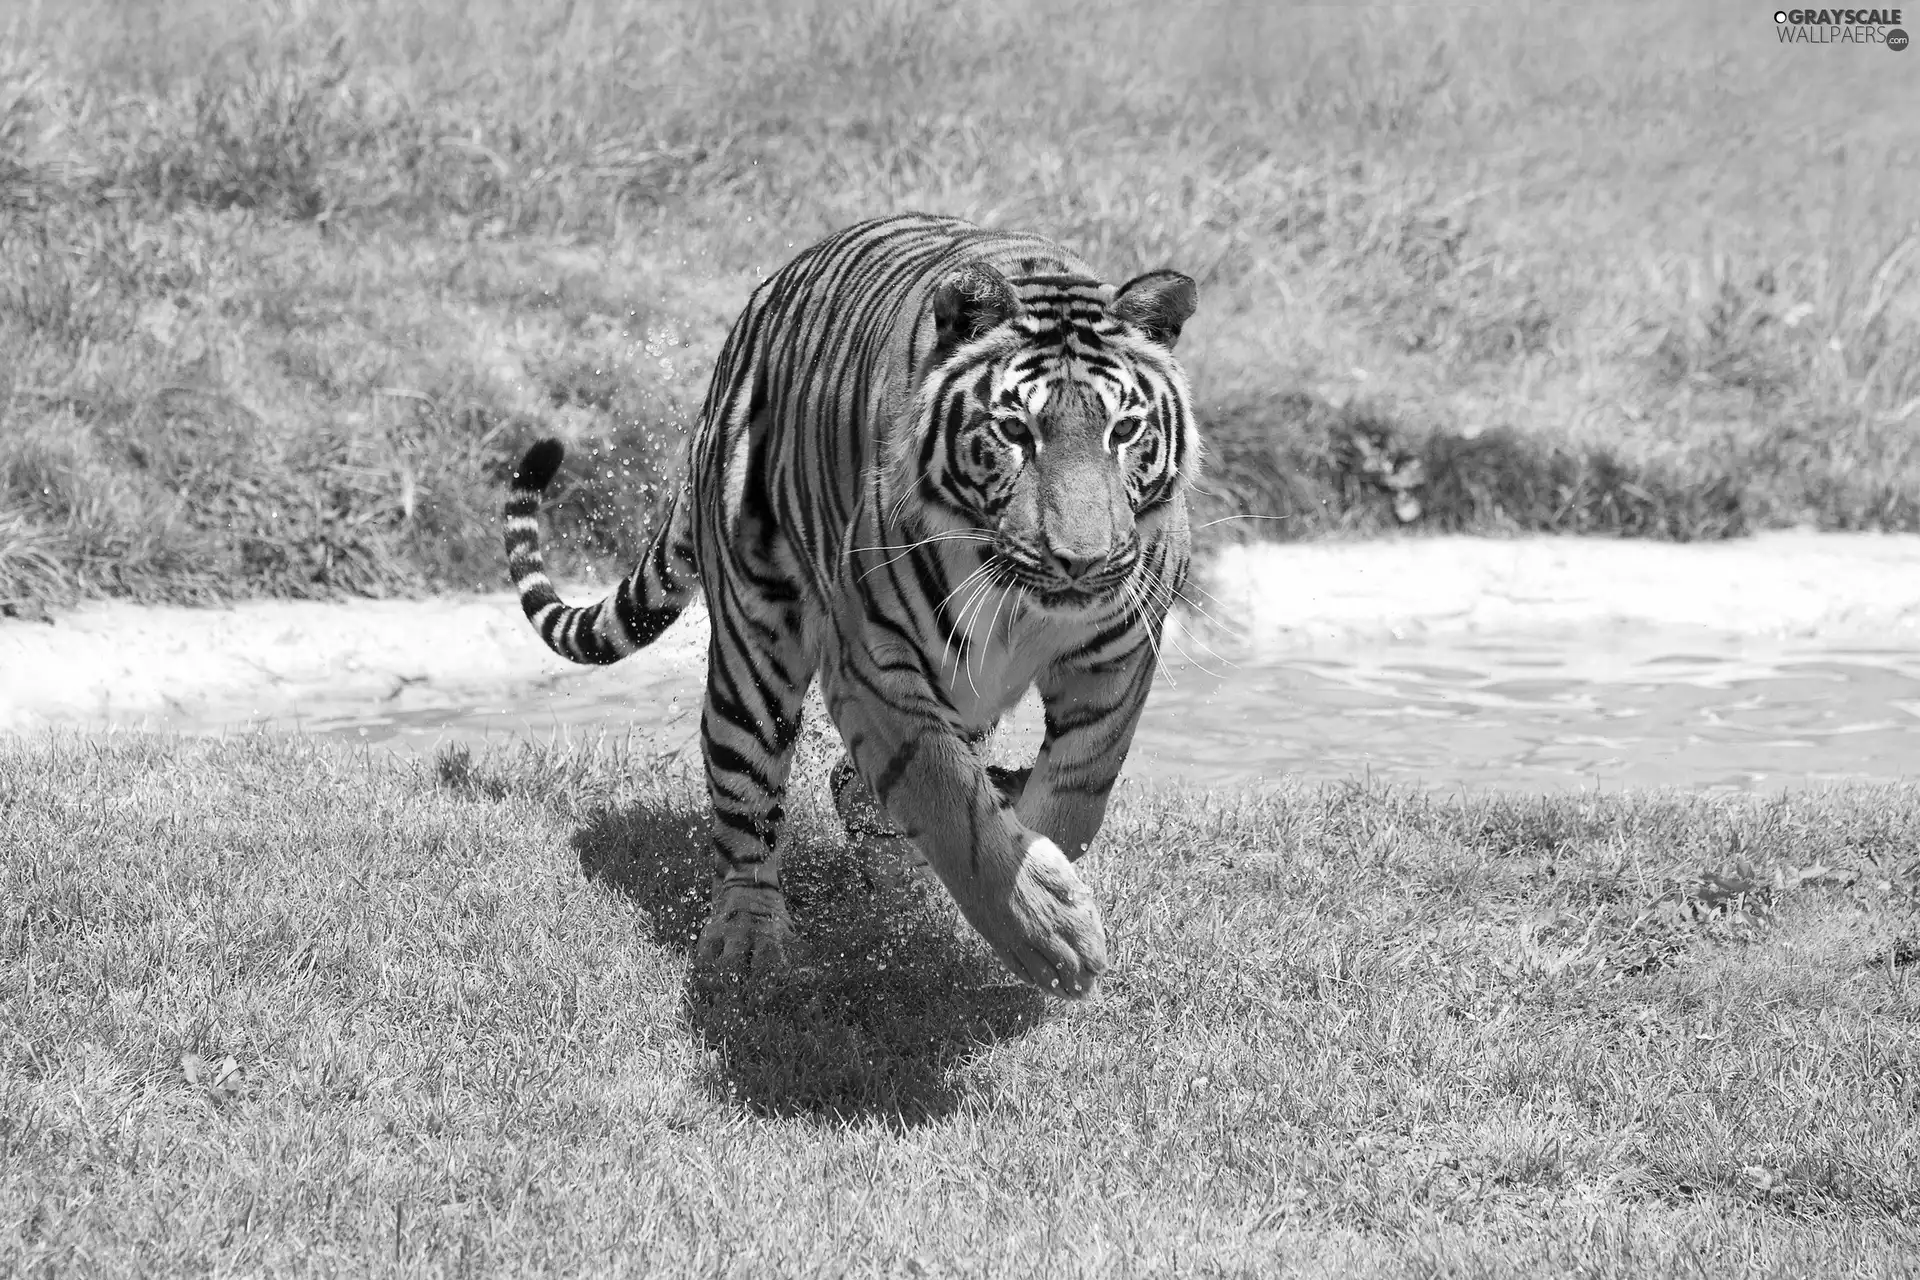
x: 114, y: 664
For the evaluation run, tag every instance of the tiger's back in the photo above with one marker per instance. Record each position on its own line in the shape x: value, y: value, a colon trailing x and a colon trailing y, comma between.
x: 936, y: 466
x: 803, y: 393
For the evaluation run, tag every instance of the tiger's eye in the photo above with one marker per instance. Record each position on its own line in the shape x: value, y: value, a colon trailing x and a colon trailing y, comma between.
x: 1126, y: 430
x: 1014, y: 429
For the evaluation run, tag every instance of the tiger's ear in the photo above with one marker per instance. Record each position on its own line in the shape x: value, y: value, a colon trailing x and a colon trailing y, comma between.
x: 1158, y: 304
x: 967, y: 303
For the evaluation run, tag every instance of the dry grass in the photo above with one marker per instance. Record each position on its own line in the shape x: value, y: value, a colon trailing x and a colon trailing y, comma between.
x: 268, y: 1009
x: 283, y: 286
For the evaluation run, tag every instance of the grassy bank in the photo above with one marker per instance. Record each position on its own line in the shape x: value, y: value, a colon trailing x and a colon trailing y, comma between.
x: 283, y: 287
x: 273, y: 1009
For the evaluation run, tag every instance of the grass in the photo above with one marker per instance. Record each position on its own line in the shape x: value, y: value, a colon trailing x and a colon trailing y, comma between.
x: 269, y: 1008
x: 283, y: 288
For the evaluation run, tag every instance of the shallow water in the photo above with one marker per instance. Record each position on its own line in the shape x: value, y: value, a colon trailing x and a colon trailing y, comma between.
x: 1633, y: 708
x: 1612, y: 707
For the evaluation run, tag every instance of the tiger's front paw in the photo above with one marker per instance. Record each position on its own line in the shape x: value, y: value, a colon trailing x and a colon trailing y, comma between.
x: 747, y: 940
x: 1049, y: 930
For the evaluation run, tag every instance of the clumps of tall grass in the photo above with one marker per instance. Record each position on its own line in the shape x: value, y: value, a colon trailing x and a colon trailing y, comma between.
x: 305, y: 127
x: 182, y: 499
x: 336, y: 235
x: 1300, y: 467
x: 196, y: 407
x: 270, y: 137
x: 32, y: 570
x: 1793, y: 389
x: 1842, y: 326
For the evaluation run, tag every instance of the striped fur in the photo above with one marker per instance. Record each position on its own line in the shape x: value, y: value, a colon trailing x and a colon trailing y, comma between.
x: 937, y: 466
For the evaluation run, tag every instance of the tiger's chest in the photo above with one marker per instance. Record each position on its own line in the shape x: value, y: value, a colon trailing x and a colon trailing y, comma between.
x: 1004, y: 652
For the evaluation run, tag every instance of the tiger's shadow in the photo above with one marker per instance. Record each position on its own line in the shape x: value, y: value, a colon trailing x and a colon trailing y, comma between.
x: 894, y: 995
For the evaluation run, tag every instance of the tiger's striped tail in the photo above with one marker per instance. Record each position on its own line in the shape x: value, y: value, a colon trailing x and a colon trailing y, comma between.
x: 640, y: 608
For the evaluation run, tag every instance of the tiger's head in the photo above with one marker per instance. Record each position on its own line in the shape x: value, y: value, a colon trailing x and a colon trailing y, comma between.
x: 1055, y: 423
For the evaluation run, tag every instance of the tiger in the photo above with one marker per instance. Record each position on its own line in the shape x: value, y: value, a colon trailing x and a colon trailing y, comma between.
x: 937, y: 466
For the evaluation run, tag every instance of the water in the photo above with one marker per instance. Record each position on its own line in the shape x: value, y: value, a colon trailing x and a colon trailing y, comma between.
x: 1634, y: 708
x: 1624, y: 705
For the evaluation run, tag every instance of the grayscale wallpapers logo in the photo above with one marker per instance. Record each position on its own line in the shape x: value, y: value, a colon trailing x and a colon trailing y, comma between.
x: 1840, y: 26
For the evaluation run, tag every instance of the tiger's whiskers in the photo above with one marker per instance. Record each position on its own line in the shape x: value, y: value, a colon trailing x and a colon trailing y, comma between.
x: 992, y: 623
x: 1177, y: 594
x: 1224, y: 519
x: 982, y: 575
x: 902, y: 549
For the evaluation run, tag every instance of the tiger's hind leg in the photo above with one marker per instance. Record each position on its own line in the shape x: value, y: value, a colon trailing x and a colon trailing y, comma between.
x: 882, y: 847
x: 757, y: 676
x: 882, y: 844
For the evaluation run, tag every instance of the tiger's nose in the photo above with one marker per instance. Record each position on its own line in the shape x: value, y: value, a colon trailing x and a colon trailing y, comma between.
x: 1075, y: 566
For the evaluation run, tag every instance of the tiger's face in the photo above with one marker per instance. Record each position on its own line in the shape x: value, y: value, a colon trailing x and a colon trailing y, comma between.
x: 1057, y: 425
